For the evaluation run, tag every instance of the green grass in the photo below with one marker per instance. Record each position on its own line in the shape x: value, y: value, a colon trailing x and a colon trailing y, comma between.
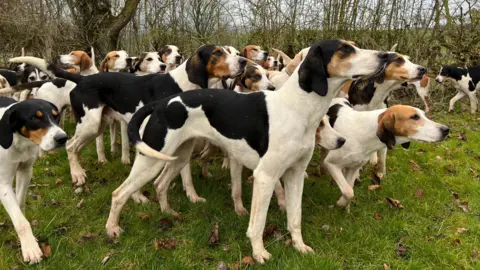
x: 426, y: 226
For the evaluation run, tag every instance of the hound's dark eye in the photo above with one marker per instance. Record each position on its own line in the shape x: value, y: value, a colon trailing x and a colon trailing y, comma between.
x: 31, y: 78
x: 44, y: 78
x: 322, y: 124
x: 255, y: 49
x: 346, y: 48
x: 415, y: 117
x: 149, y: 59
x: 257, y: 77
x: 399, y: 60
x: 218, y: 53
x: 116, y: 56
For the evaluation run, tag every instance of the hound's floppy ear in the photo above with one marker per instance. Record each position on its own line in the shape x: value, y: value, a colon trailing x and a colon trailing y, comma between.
x: 104, y: 64
x: 406, y: 145
x: 7, y: 128
x: 163, y: 50
x: 197, y: 67
x: 386, y: 122
x: 243, y: 52
x: 139, y: 62
x: 471, y: 86
x: 312, y: 75
x: 85, y: 62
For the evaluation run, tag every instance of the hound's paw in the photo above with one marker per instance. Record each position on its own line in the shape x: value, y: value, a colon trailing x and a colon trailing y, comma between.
x: 31, y: 252
x: 78, y: 177
x: 262, y: 256
x: 282, y: 206
x: 374, y: 160
x: 114, y: 231
x: 302, y: 247
x: 196, y: 199
x: 343, y: 202
x: 172, y: 212
x: 207, y: 174
x: 102, y: 160
x: 139, y: 198
x: 126, y: 160
x: 241, y: 211
x: 380, y: 175
x: 225, y: 164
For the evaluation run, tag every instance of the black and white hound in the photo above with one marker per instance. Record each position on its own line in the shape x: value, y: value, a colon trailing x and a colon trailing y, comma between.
x: 99, y: 98
x: 465, y: 80
x: 379, y: 129
x: 272, y: 132
x: 25, y: 127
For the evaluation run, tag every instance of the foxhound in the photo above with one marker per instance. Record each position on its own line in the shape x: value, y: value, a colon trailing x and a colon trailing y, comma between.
x: 381, y: 128
x: 102, y: 97
x: 232, y: 50
x: 254, y: 53
x: 279, y: 78
x: 81, y: 61
x: 465, y: 81
x: 25, y: 127
x: 272, y: 132
x: 171, y: 56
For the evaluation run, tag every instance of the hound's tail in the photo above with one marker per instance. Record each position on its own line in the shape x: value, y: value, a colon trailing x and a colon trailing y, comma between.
x: 51, y: 70
x: 93, y: 55
x: 21, y: 87
x: 286, y: 58
x: 134, y: 133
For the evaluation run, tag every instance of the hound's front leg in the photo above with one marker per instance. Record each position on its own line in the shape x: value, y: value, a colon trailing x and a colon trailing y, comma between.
x: 186, y: 174
x: 125, y: 142
x: 473, y: 101
x: 236, y: 176
x: 456, y: 98
x: 24, y: 176
x: 263, y: 187
x: 30, y: 250
x: 345, y: 188
x: 381, y: 168
x: 293, y: 180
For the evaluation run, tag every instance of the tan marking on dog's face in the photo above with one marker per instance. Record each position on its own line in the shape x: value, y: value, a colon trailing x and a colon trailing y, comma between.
x: 73, y: 70
x: 396, y: 69
x: 424, y: 81
x: 401, y: 120
x: 82, y: 59
x: 3, y: 82
x: 35, y: 136
x: 217, y: 64
x: 318, y: 133
x: 341, y: 60
x: 39, y: 114
x: 54, y: 112
x: 346, y: 87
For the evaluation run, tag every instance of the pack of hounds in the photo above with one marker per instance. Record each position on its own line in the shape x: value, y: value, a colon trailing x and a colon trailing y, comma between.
x: 259, y: 111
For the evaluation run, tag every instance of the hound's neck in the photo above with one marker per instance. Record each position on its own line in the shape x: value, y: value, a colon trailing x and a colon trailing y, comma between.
x: 181, y: 78
x: 89, y: 71
x: 382, y: 91
x: 311, y: 105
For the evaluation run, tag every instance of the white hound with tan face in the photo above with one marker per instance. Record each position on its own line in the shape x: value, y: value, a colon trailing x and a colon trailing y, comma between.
x: 81, y: 61
x: 115, y: 61
x: 171, y: 56
x: 271, y: 132
x: 382, y: 128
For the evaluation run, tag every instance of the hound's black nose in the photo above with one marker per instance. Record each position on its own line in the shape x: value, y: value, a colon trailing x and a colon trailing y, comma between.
x: 340, y: 142
x: 271, y: 87
x: 445, y: 130
x: 242, y: 61
x: 178, y: 59
x: 275, y: 63
x: 163, y: 67
x: 60, y: 139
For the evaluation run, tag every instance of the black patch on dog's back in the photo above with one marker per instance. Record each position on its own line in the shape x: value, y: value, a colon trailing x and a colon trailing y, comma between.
x: 455, y: 73
x: 59, y: 83
x: 10, y: 76
x: 176, y: 114
x: 333, y: 113
x: 6, y: 101
x: 235, y: 116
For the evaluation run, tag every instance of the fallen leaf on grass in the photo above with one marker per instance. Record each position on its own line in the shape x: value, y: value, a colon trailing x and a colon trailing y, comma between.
x: 89, y: 236
x: 46, y: 250
x: 58, y: 182
x: 419, y: 193
x: 207, y: 260
x: 236, y: 266
x: 439, y: 158
x: 462, y: 137
x: 270, y: 230
x: 165, y: 224
x: 401, y: 250
x: 247, y: 260
x: 169, y: 243
x: 415, y: 166
x: 105, y: 259
x: 385, y: 266
x: 394, y: 203
x: 226, y: 248
x: 464, y: 206
x: 213, y: 240
x: 288, y: 243
x: 378, y: 216
x: 221, y: 266
x: 475, y: 254
x: 35, y: 223
x: 461, y: 230
x: 457, y: 241
x: 144, y: 216
x: 78, y: 190
x: 374, y: 187
x: 79, y: 204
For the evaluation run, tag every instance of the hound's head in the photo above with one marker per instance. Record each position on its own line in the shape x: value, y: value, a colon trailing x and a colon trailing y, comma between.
x: 33, y: 74
x: 337, y: 59
x: 456, y: 74
x: 254, y: 53
x: 254, y: 79
x: 399, y: 68
x: 271, y: 63
x: 78, y: 59
x: 404, y: 123
x: 115, y: 61
x: 211, y: 61
x: 327, y: 137
x: 232, y: 50
x: 150, y: 62
x: 171, y: 56
x: 35, y: 120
